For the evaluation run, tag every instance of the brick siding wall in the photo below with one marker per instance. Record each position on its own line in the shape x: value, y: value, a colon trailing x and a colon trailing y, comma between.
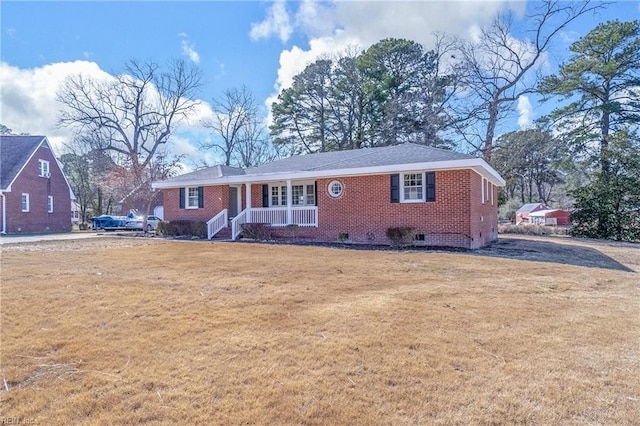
x: 216, y: 198
x: 38, y: 219
x: 484, y: 212
x: 457, y: 218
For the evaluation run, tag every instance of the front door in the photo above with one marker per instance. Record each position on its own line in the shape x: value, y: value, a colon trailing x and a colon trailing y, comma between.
x: 233, y: 202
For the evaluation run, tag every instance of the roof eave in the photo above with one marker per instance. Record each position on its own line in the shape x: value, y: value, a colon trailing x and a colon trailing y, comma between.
x: 476, y: 164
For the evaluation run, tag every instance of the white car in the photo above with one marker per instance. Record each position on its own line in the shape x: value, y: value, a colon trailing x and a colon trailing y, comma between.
x: 138, y: 223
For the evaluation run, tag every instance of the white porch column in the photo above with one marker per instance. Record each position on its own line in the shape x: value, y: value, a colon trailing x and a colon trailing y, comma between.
x: 248, y: 200
x: 289, y: 203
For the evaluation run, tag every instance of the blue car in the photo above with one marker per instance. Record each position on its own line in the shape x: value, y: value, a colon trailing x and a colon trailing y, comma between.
x: 108, y: 222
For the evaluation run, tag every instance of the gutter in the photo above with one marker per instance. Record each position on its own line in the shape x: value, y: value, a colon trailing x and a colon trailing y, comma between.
x: 476, y: 164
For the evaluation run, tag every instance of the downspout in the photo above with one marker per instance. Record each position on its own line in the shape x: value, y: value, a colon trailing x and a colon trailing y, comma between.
x: 4, y: 213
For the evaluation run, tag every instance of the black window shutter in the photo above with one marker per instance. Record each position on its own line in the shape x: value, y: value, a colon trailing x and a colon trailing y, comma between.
x: 265, y: 195
x: 395, y: 188
x: 431, y: 186
x: 200, y: 197
x: 181, y: 198
x: 316, y: 190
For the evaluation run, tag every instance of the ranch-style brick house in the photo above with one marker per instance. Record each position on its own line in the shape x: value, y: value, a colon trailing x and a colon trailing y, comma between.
x: 450, y: 199
x: 35, y: 195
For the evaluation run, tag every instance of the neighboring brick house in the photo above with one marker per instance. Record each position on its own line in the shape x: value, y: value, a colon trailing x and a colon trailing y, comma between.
x: 34, y: 192
x: 449, y: 198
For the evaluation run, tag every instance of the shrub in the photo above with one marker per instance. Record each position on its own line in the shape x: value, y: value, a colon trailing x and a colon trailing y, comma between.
x: 256, y: 231
x: 532, y: 229
x: 180, y: 228
x: 293, y: 228
x: 83, y: 226
x: 163, y: 229
x: 401, y: 235
x: 198, y: 229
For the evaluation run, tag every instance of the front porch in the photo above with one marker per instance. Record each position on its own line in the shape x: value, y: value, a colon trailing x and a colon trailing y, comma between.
x: 305, y: 216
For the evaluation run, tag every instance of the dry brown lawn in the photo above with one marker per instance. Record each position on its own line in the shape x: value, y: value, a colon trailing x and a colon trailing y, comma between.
x: 127, y: 331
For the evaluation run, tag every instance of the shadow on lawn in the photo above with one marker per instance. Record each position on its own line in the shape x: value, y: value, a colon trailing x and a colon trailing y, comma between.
x: 545, y: 251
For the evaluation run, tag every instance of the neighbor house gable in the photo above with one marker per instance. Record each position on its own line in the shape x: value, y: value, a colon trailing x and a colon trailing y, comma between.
x: 36, y: 195
x: 17, y: 152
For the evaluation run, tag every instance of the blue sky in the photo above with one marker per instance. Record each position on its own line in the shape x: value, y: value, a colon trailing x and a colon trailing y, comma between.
x: 35, y: 34
x: 257, y: 44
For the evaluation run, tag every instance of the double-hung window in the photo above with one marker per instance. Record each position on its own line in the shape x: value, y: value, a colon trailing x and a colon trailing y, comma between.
x: 311, y: 195
x: 297, y: 195
x: 25, y: 202
x: 192, y: 197
x: 412, y: 187
x: 43, y: 168
x: 50, y: 203
x: 278, y: 195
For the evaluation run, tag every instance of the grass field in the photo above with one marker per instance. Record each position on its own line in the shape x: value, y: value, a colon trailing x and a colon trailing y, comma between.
x: 127, y: 331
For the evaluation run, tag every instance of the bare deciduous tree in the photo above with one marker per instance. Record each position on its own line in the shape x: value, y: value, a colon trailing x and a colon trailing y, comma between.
x: 133, y: 115
x: 136, y: 112
x: 496, y: 69
x: 237, y: 130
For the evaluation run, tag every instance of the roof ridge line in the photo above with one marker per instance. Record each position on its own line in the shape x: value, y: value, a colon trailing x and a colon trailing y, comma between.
x: 364, y: 154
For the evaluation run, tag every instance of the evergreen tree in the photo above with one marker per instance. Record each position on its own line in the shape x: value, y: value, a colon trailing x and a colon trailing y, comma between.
x: 601, y: 81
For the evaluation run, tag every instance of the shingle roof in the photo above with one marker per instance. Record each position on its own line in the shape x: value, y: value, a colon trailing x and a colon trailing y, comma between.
x: 530, y: 207
x: 14, y: 153
x: 407, y: 153
x: 214, y: 172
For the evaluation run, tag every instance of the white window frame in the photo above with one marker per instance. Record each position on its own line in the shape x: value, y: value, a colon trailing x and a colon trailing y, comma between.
x: 281, y: 194
x: 25, y: 202
x: 333, y: 185
x: 43, y: 168
x: 310, y: 191
x: 482, y: 186
x: 403, y: 187
x: 189, y: 198
x: 50, y: 203
x: 491, y: 189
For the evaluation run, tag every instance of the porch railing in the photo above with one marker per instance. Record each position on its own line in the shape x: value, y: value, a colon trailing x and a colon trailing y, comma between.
x: 237, y: 222
x: 216, y: 223
x: 275, y: 216
x: 305, y: 216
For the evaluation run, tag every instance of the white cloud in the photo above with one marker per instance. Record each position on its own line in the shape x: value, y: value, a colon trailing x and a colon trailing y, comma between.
x: 314, y: 18
x: 28, y: 97
x: 28, y: 105
x: 338, y: 25
x: 188, y: 49
x: 277, y: 23
x: 525, y: 113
